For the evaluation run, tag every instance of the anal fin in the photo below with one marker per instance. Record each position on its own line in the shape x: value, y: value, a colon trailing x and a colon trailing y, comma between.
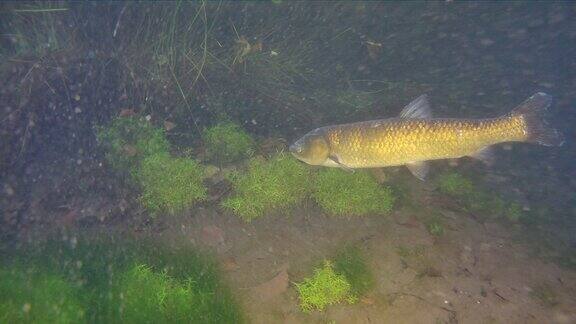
x: 419, y: 169
x: 486, y: 155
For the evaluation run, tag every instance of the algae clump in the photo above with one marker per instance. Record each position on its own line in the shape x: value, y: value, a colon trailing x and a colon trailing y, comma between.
x: 476, y: 199
x: 325, y: 287
x: 351, y: 263
x: 228, y: 142
x: 129, y: 140
x: 344, y: 193
x: 280, y: 182
x: 155, y: 297
x: 170, y: 184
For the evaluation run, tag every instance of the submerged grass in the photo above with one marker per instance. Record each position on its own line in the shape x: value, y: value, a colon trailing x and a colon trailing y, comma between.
x: 111, y: 280
x: 35, y: 29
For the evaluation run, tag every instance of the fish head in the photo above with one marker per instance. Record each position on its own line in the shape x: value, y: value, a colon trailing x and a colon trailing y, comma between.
x: 311, y: 148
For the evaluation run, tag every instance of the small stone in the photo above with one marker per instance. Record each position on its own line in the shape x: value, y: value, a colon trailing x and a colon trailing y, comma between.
x: 367, y: 300
x: 229, y: 264
x: 168, y: 126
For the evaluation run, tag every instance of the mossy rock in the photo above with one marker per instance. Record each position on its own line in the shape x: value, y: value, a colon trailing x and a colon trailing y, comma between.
x: 170, y: 184
x: 228, y: 142
x: 34, y: 297
x: 325, y: 287
x: 344, y: 193
x: 267, y: 185
x: 130, y: 140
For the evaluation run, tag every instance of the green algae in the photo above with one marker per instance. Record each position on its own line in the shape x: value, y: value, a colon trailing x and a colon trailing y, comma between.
x: 344, y: 193
x: 33, y: 296
x: 228, y: 142
x: 170, y: 184
x: 351, y: 262
x: 324, y: 288
x: 111, y: 280
x: 476, y: 199
x: 267, y: 185
x: 130, y: 140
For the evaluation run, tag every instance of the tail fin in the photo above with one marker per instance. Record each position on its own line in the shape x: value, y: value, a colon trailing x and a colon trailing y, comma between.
x: 533, y: 111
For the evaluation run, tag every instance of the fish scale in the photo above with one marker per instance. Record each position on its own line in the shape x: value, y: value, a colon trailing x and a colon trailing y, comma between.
x: 361, y: 145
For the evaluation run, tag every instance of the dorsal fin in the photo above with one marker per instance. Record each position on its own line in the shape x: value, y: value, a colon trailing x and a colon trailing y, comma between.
x: 418, y: 108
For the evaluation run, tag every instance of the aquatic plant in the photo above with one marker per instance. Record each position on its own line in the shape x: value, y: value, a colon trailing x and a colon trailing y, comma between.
x: 454, y: 184
x: 435, y: 227
x: 325, y: 287
x: 477, y: 199
x: 170, y: 184
x: 35, y: 29
x: 112, y: 280
x: 129, y: 140
x: 228, y: 142
x: 352, y: 264
x: 345, y: 193
x: 155, y: 297
x: 32, y: 296
x: 267, y: 185
x: 513, y: 212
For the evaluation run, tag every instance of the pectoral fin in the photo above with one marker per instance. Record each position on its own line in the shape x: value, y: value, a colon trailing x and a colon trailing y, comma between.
x: 335, y: 159
x: 419, y: 169
x: 485, y: 155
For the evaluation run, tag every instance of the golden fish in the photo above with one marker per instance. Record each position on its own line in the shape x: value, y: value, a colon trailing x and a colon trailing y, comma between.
x: 415, y: 137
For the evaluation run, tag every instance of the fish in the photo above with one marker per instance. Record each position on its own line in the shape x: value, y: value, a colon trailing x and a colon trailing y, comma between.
x: 415, y: 137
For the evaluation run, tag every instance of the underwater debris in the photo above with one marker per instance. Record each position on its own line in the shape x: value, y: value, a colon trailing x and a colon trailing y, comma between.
x: 374, y: 49
x: 244, y: 48
x: 348, y: 194
x: 267, y: 185
x: 324, y: 288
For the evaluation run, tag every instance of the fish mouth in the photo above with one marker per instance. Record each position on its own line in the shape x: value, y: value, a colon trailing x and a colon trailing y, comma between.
x: 294, y: 150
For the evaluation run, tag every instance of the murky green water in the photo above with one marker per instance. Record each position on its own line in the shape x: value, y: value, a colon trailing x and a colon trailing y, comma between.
x: 145, y: 173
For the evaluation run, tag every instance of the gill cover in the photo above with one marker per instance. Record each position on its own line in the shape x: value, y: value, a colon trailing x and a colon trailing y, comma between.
x: 312, y: 148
